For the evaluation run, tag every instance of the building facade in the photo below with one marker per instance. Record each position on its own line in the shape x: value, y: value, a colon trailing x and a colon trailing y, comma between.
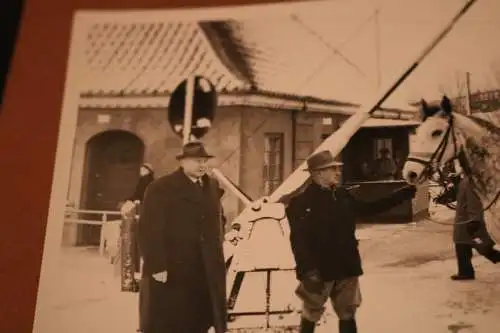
x: 258, y: 137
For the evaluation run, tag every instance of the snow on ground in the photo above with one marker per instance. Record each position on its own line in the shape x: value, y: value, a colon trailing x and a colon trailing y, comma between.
x: 406, y: 288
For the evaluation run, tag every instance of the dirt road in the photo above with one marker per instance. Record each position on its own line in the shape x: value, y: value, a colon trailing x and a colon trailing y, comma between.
x: 406, y: 288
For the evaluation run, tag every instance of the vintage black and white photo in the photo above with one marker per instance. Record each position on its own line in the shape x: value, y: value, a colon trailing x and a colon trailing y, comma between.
x: 322, y: 166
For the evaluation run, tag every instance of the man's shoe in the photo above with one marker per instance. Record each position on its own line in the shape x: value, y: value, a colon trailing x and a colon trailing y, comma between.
x: 348, y: 326
x: 307, y: 326
x: 459, y: 277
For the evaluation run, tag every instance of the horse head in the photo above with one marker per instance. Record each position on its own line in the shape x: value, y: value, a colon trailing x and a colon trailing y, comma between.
x: 434, y: 144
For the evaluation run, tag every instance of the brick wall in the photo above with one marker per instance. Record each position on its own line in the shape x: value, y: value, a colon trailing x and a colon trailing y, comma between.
x: 161, y: 145
x: 256, y: 122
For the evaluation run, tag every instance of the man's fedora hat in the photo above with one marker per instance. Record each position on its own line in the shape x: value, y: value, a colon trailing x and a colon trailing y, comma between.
x: 322, y: 160
x: 193, y: 150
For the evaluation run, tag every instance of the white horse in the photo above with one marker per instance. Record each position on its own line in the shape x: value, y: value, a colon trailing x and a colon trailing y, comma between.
x: 474, y: 141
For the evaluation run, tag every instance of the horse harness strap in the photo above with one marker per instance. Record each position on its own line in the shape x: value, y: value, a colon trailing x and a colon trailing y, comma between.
x: 429, y: 165
x: 493, y: 201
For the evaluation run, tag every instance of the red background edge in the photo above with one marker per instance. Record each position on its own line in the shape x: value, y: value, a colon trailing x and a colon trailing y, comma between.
x: 29, y: 125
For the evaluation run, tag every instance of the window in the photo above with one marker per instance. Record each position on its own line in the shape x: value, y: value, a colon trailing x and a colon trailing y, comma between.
x: 382, y: 143
x: 273, y: 161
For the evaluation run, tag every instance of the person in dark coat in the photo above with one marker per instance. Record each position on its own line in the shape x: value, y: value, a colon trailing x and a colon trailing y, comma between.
x: 146, y: 176
x: 180, y: 237
x: 469, y: 231
x: 322, y: 233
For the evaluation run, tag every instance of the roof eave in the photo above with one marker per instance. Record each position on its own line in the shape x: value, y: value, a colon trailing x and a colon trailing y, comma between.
x: 233, y: 99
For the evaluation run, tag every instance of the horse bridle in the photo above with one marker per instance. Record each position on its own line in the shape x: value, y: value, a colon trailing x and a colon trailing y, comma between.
x: 432, y: 163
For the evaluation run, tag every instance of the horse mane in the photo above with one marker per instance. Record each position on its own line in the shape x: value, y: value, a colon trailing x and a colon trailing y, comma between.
x: 486, y: 124
x: 480, y: 149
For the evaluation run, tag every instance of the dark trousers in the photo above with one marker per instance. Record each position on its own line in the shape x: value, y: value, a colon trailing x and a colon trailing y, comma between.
x: 136, y: 254
x: 464, y: 259
x: 143, y: 303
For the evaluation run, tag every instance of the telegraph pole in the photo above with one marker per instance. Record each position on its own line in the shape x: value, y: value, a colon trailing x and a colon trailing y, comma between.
x: 468, y: 110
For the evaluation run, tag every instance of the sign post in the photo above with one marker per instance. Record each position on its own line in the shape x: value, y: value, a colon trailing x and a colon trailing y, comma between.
x: 191, y: 112
x: 188, y: 110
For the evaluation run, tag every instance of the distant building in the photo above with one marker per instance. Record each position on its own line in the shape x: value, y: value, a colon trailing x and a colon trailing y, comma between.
x: 480, y: 101
x: 258, y: 136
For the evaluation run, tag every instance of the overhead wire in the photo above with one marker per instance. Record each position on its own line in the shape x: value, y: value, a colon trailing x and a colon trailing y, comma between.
x: 335, y: 50
x: 311, y: 76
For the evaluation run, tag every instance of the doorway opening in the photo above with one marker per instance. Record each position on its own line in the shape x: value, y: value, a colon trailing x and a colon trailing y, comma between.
x: 112, y: 171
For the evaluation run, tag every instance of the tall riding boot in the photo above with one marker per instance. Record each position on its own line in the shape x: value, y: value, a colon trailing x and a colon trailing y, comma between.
x: 307, y: 326
x: 348, y: 326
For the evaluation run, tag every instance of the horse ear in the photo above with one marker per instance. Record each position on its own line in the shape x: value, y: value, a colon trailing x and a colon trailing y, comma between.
x: 423, y: 110
x: 446, y: 105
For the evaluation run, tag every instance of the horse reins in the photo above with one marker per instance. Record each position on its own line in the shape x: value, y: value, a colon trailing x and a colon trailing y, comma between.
x: 430, y: 164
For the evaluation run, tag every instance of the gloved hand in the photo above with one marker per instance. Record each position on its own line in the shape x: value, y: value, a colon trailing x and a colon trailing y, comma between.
x: 128, y: 209
x: 407, y: 190
x: 313, y: 283
x: 233, y: 236
x: 413, y: 190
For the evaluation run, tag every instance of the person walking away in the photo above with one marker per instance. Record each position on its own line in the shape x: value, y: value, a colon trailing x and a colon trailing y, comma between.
x: 146, y: 177
x: 180, y: 237
x: 469, y: 231
x: 322, y: 222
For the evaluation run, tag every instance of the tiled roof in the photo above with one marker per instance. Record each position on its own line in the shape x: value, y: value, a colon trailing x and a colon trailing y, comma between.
x: 139, y: 64
x: 150, y: 59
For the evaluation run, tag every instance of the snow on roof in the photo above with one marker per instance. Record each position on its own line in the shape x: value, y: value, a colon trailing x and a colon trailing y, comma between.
x: 145, y: 61
x: 150, y: 58
x: 287, y: 55
x: 381, y: 122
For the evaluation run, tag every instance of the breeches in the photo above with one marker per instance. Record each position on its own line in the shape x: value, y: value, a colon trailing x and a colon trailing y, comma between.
x: 345, y: 297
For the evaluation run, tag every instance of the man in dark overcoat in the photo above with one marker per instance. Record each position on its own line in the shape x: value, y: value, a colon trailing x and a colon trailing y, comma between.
x: 180, y: 237
x: 322, y: 233
x: 469, y: 231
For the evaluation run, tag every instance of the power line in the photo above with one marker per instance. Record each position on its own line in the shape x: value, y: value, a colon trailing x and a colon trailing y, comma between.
x: 307, y: 79
x: 335, y: 50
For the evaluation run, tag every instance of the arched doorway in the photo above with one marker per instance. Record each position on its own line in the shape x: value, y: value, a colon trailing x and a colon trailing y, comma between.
x: 113, y: 162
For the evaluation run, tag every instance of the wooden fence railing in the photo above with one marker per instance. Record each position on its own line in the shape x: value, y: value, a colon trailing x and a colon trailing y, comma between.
x: 108, y: 220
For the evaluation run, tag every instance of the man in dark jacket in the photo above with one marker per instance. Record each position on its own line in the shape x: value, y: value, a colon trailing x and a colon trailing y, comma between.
x: 469, y: 231
x: 322, y: 233
x: 181, y: 236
